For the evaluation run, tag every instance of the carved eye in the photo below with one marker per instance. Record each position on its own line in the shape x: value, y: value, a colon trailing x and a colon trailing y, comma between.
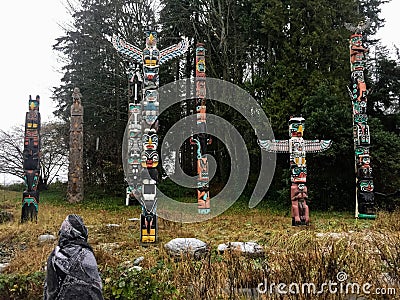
x: 155, y: 156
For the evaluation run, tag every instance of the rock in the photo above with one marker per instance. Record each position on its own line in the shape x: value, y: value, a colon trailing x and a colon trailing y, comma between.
x: 113, y: 225
x: 131, y: 266
x: 186, y: 246
x: 3, y: 266
x: 138, y: 260
x: 107, y: 246
x: 247, y: 248
x: 46, y: 238
x: 6, y: 216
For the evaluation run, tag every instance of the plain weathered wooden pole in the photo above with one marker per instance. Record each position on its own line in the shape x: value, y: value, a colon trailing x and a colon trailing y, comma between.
x: 75, y: 170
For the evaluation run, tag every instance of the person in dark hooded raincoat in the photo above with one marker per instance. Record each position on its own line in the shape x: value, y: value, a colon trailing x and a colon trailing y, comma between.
x: 71, y: 267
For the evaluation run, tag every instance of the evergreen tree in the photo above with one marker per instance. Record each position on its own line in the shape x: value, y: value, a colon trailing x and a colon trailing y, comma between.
x: 292, y: 56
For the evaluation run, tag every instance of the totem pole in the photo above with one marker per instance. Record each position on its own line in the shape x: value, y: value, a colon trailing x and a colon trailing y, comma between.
x: 365, y: 200
x: 297, y: 147
x: 75, y: 171
x: 201, y: 140
x: 31, y: 162
x: 142, y: 156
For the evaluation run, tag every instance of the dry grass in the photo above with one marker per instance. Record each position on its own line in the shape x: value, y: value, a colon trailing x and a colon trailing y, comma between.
x: 366, y: 250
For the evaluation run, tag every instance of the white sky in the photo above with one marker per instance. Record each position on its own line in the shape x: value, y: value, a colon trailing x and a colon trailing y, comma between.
x: 29, y: 66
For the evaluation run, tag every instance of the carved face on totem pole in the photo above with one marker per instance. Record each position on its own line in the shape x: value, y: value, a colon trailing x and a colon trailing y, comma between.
x: 34, y: 104
x: 202, y: 168
x: 356, y: 40
x: 150, y: 76
x: 362, y: 134
x: 200, y: 67
x: 149, y: 159
x: 150, y: 57
x: 134, y: 157
x: 201, y: 89
x: 366, y: 185
x: 359, y: 107
x: 296, y: 126
x: 298, y: 174
x: 361, y: 151
x: 357, y: 52
x: 151, y: 95
x: 151, y: 39
x: 201, y: 114
x: 32, y: 120
x: 150, y: 140
x: 364, y: 160
x: 134, y: 108
x: 149, y: 119
x: 150, y: 105
x: 31, y: 178
x: 200, y: 50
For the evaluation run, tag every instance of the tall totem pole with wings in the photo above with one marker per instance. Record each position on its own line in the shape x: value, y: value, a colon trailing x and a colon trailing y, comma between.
x: 297, y: 148
x: 201, y: 140
x: 365, y: 200
x: 141, y: 150
x: 31, y: 161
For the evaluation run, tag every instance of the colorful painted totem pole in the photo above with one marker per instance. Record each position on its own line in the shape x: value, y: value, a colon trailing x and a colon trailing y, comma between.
x: 201, y: 140
x: 297, y: 147
x: 142, y: 158
x: 365, y: 200
x: 75, y: 171
x: 31, y: 161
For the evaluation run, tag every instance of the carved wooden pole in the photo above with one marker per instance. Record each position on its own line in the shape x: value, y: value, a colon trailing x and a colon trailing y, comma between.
x: 365, y: 199
x: 140, y: 164
x: 297, y: 147
x: 201, y: 140
x: 31, y: 162
x: 75, y: 171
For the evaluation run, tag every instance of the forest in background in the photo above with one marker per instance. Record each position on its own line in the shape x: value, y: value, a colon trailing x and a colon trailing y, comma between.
x: 292, y: 56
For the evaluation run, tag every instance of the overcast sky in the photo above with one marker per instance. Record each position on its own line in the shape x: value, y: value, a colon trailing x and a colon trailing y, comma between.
x: 29, y: 66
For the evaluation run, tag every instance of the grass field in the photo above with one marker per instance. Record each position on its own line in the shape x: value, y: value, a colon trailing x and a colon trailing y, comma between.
x: 367, y: 251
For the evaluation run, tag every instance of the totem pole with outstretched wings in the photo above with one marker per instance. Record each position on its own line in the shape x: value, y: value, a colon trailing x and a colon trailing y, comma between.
x: 297, y: 148
x: 142, y: 149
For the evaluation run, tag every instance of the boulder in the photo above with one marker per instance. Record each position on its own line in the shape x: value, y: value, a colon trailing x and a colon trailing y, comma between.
x: 138, y: 260
x: 247, y: 248
x: 190, y: 247
x: 3, y: 266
